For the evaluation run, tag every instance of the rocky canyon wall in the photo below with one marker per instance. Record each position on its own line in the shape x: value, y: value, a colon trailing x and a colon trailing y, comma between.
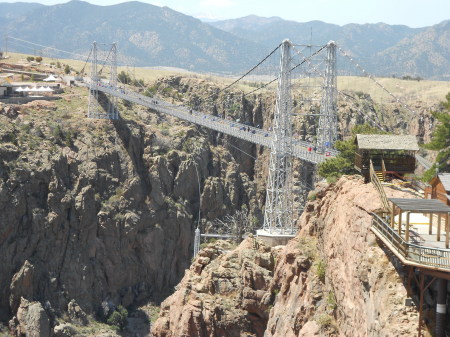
x: 333, y: 279
x: 99, y: 213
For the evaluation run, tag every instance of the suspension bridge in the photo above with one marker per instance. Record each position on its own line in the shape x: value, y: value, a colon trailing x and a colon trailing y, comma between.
x: 278, y: 219
x: 278, y: 216
x: 279, y: 212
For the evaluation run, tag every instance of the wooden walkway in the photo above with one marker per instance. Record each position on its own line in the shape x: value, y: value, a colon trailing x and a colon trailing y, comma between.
x: 422, y: 249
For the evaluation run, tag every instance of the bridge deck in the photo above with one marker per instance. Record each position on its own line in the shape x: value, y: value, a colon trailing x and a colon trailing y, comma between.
x: 300, y: 149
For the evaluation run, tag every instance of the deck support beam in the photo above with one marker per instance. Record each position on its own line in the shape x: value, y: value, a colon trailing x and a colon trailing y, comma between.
x: 441, y: 307
x: 431, y: 224
x: 439, y: 228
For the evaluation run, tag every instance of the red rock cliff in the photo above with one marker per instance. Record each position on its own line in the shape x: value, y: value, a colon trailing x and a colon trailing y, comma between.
x: 331, y: 280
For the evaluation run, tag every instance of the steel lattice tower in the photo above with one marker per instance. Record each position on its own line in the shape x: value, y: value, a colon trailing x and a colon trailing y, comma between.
x: 279, y: 206
x: 327, y: 129
x: 103, y: 106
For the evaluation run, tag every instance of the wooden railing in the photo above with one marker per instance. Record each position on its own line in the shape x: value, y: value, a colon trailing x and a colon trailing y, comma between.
x: 376, y: 182
x: 428, y: 256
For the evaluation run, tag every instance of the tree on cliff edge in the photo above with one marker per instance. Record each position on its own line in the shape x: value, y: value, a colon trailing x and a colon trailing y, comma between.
x: 440, y: 140
x: 333, y: 168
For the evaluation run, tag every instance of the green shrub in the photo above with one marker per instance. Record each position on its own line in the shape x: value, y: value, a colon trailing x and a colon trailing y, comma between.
x: 119, y: 317
x: 123, y: 77
x: 325, y: 321
x: 312, y: 196
x: 331, y: 179
x: 68, y: 138
x: 151, y: 91
x: 331, y: 301
x: 321, y: 268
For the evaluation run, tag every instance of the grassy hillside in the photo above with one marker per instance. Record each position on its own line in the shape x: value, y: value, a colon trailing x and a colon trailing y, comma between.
x: 409, y: 91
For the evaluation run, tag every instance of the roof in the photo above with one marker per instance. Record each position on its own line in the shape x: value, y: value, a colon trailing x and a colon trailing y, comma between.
x: 387, y: 142
x: 420, y: 205
x: 445, y: 180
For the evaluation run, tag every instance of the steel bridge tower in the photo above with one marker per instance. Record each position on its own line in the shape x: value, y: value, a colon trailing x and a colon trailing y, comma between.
x: 327, y: 129
x: 102, y: 105
x: 278, y: 219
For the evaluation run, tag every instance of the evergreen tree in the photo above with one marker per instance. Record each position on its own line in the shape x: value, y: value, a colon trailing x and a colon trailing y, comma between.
x: 343, y: 163
x: 124, y: 78
x: 440, y: 140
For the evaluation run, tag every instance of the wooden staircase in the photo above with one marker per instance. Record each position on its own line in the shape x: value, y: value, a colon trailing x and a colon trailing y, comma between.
x: 380, y: 176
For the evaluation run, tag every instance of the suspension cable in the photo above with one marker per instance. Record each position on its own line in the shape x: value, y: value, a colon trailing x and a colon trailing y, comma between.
x: 362, y: 113
x: 85, y: 63
x: 376, y: 82
x: 307, y: 59
x: 106, y: 60
x: 48, y: 47
x: 248, y: 72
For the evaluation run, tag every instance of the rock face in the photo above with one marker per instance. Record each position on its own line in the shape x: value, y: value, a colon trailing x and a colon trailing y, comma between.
x: 360, y: 292
x: 222, y: 294
x: 97, y: 212
x: 31, y: 320
x: 331, y: 280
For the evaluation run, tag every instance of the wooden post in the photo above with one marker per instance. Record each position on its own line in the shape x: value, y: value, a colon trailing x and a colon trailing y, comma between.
x: 447, y: 225
x: 407, y: 227
x: 400, y: 223
x: 392, y: 216
x: 431, y: 224
x: 441, y: 307
x: 421, y: 289
x: 439, y: 227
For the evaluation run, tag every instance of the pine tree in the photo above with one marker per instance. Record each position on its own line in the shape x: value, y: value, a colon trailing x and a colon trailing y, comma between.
x: 343, y: 163
x: 440, y: 140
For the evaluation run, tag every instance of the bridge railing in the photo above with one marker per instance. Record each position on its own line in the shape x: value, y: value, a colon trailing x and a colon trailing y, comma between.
x: 300, y: 149
x: 427, y: 256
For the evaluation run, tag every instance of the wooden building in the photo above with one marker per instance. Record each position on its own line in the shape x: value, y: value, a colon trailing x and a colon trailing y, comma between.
x: 5, y: 88
x: 439, y: 188
x: 391, y: 155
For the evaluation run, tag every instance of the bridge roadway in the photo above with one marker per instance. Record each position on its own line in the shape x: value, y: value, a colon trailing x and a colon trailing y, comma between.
x: 300, y: 149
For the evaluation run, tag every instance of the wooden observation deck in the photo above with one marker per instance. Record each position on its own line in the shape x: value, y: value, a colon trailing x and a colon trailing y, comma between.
x: 417, y: 240
x: 421, y: 243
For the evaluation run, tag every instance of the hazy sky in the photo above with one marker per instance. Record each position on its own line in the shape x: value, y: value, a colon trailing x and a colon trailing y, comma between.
x: 413, y: 13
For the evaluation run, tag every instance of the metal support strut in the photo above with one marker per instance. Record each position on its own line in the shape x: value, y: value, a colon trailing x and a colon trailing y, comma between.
x: 279, y: 207
x: 327, y: 129
x: 102, y: 105
x: 196, y: 241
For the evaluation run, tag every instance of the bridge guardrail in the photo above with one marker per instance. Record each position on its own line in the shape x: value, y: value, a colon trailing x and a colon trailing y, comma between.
x: 428, y: 256
x: 300, y: 149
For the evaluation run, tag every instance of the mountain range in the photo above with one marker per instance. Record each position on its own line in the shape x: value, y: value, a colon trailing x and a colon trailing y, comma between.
x: 149, y: 35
